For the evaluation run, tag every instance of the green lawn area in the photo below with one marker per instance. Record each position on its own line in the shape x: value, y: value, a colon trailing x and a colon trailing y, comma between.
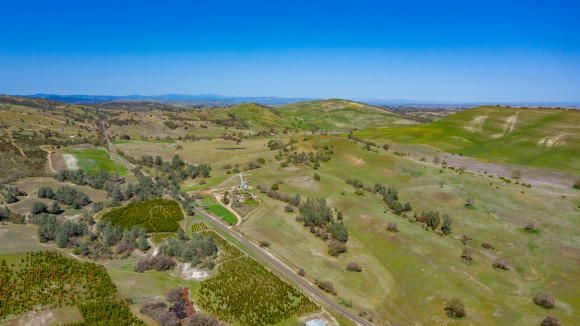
x: 93, y: 160
x: 224, y: 213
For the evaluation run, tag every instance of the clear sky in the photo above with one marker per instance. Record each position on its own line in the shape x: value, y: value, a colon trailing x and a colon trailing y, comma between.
x: 469, y: 50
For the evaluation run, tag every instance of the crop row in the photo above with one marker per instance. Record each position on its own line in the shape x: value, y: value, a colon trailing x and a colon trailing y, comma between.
x: 244, y: 291
x: 158, y: 238
x: 155, y: 215
x: 48, y: 279
x: 198, y: 227
x: 227, y: 250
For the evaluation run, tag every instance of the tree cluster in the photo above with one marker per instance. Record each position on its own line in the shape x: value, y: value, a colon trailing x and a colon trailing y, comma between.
x: 198, y: 249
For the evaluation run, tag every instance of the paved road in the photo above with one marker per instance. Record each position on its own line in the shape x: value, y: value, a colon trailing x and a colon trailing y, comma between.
x: 290, y: 273
x: 112, y: 150
x: 286, y: 271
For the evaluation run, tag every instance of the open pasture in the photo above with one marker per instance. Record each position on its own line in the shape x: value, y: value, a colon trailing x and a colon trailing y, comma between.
x: 92, y: 160
x: 413, y: 264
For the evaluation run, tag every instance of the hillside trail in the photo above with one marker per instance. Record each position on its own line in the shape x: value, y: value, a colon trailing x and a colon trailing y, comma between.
x: 20, y: 149
x: 48, y: 155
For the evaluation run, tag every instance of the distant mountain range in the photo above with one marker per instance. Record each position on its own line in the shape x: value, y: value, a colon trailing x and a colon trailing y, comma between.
x: 221, y: 100
x: 202, y: 99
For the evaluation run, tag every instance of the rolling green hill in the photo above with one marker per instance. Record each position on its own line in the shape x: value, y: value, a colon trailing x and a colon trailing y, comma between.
x: 536, y: 137
x: 255, y: 116
x: 342, y: 114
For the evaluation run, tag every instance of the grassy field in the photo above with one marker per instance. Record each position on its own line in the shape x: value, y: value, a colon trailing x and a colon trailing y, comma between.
x: 93, y: 160
x: 341, y: 114
x: 414, y: 264
x: 548, y: 138
x: 31, y: 185
x: 218, y: 210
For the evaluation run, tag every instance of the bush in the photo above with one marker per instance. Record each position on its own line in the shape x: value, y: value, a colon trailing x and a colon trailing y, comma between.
x: 544, y: 299
x: 467, y: 255
x: 336, y: 247
x: 326, y: 286
x: 124, y: 248
x: 201, y: 319
x: 149, y: 306
x: 551, y: 321
x: 301, y: 272
x: 577, y: 184
x: 455, y: 308
x: 159, y: 263
x: 174, y: 294
x: 392, y: 227
x: 264, y: 244
x: 288, y: 209
x: 353, y: 267
x: 500, y: 263
x: 486, y: 245
x: 38, y: 208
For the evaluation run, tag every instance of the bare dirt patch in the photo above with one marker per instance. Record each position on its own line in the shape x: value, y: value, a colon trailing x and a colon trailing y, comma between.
x: 190, y: 273
x: 476, y: 124
x: 70, y: 161
x: 441, y: 196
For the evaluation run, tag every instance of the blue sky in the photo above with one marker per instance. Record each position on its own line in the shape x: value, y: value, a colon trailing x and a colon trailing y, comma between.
x: 461, y: 51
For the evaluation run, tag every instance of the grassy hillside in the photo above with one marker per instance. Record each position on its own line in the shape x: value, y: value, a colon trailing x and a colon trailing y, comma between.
x: 536, y: 137
x: 341, y: 114
x: 26, y: 124
x: 255, y: 116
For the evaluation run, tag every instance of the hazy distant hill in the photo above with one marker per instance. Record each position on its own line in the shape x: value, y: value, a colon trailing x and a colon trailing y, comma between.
x: 203, y: 99
x: 539, y: 137
x: 342, y: 114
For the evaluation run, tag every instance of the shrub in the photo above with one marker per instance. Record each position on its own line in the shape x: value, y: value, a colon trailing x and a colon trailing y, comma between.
x: 159, y: 263
x: 38, y: 208
x: 336, y: 247
x: 301, y: 272
x: 466, y: 255
x: 201, y: 319
x: 392, y: 227
x: 264, y: 244
x: 486, y: 245
x: 124, y: 248
x: 455, y: 308
x: 531, y: 226
x: 577, y: 184
x: 174, y: 294
x: 288, y: 209
x: 544, y: 299
x: 326, y: 286
x: 353, y: 267
x: 551, y: 321
x: 149, y: 306
x: 500, y: 263
x: 469, y: 202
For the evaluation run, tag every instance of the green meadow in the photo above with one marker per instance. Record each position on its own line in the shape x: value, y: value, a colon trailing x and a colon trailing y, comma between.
x: 548, y: 138
x: 93, y: 160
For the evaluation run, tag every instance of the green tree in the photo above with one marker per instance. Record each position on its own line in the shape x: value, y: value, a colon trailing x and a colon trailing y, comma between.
x: 143, y: 244
x: 61, y: 238
x: 38, y: 208
x: 446, y: 227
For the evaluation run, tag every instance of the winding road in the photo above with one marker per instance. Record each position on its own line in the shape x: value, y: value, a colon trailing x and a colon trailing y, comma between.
x: 287, y: 271
x: 112, y: 149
